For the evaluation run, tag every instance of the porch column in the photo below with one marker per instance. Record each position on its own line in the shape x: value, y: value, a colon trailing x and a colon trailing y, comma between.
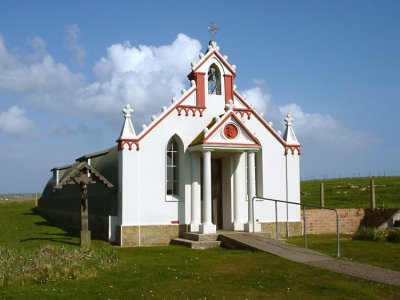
x: 195, y: 195
x: 238, y: 193
x: 251, y: 191
x: 207, y: 226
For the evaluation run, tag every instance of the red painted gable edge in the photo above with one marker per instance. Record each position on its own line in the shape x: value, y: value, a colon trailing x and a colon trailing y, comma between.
x: 206, y: 57
x: 261, y: 119
x: 122, y: 142
x: 130, y: 142
x: 232, y: 114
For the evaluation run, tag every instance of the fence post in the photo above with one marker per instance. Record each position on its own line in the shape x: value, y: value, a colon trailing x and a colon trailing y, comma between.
x: 372, y: 185
x: 276, y: 220
x: 322, y: 195
x: 305, y: 228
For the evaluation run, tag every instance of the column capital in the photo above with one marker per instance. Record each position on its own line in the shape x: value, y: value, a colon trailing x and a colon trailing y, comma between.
x: 207, y: 151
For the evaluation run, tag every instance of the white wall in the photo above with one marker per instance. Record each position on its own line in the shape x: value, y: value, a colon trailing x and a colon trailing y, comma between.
x: 143, y: 172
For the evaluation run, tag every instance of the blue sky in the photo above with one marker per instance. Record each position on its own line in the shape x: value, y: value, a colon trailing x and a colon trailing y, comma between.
x: 67, y: 69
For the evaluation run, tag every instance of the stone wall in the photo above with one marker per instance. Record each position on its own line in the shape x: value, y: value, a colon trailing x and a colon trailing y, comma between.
x: 350, y: 219
x: 148, y: 235
x: 324, y: 221
x: 295, y: 229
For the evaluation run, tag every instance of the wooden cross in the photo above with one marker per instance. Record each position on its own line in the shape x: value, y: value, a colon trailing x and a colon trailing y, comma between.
x: 82, y: 174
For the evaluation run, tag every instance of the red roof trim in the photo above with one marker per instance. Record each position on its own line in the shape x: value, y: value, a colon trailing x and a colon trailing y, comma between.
x: 232, y: 144
x: 223, y: 60
x: 233, y: 115
x: 266, y: 125
x: 136, y: 141
x: 165, y: 115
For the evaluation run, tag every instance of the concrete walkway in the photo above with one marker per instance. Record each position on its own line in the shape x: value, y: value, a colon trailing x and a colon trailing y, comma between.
x: 310, y: 257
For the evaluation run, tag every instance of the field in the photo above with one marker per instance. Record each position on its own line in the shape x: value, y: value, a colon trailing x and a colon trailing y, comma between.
x: 353, y: 192
x: 19, y: 197
x: 173, y: 272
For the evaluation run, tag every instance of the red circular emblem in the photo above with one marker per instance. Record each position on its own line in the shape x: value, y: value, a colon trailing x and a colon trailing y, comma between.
x: 230, y: 131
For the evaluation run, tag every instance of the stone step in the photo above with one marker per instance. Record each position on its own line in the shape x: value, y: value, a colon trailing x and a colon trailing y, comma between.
x: 196, y: 244
x: 193, y: 236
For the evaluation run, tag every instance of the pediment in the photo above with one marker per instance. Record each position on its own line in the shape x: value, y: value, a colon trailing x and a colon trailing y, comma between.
x: 227, y: 131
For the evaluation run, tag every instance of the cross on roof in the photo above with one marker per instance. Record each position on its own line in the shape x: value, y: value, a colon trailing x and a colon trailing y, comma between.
x: 127, y: 111
x: 212, y: 28
x: 289, y: 120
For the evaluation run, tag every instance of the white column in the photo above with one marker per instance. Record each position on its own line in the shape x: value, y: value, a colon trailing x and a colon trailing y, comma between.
x: 207, y: 226
x: 195, y: 195
x: 251, y: 191
x: 238, y: 194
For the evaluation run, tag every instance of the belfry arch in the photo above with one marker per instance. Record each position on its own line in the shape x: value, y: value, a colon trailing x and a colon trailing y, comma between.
x: 214, y: 80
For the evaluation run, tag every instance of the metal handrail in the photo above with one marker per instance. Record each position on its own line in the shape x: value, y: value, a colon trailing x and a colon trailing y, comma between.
x: 304, y: 218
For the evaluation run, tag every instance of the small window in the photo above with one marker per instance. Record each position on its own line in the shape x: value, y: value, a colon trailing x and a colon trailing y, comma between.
x: 214, y: 80
x: 172, y: 168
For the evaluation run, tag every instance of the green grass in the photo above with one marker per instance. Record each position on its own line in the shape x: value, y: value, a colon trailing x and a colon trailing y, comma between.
x: 378, y: 253
x: 174, y: 272
x: 339, y: 195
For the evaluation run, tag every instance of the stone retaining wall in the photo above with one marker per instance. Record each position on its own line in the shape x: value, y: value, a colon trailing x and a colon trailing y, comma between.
x: 295, y: 229
x: 350, y: 219
x: 148, y: 235
x: 324, y: 221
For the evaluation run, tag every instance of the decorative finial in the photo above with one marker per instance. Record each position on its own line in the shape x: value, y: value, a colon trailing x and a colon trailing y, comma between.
x: 230, y: 105
x: 128, y: 111
x: 212, y: 28
x: 289, y: 120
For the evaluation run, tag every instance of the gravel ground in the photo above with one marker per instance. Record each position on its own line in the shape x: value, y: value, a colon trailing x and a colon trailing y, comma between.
x: 364, y: 271
x: 312, y: 258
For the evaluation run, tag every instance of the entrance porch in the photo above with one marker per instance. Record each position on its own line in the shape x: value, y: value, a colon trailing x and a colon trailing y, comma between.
x: 223, y: 181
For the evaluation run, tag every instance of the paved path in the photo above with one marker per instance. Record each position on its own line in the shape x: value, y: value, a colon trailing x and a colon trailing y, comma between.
x: 310, y: 257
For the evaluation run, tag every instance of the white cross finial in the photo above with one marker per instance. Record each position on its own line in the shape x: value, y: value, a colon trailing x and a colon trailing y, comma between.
x: 128, y: 111
x: 289, y: 120
x: 212, y: 28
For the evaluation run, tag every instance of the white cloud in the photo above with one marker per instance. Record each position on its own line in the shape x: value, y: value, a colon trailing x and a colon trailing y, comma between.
x: 35, y: 74
x: 314, y: 130
x: 15, y: 122
x: 72, y: 43
x: 145, y: 77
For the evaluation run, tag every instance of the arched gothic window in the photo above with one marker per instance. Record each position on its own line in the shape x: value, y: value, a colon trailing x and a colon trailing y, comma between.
x: 172, y: 168
x: 214, y: 80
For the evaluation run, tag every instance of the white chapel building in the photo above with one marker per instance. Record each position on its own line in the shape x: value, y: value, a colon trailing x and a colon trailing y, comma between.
x: 195, y: 168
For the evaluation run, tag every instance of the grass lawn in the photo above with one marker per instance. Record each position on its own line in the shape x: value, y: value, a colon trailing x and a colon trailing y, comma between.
x: 174, y: 272
x: 338, y: 193
x: 381, y: 254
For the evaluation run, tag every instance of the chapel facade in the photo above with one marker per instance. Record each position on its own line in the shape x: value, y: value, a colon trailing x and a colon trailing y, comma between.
x: 195, y: 168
